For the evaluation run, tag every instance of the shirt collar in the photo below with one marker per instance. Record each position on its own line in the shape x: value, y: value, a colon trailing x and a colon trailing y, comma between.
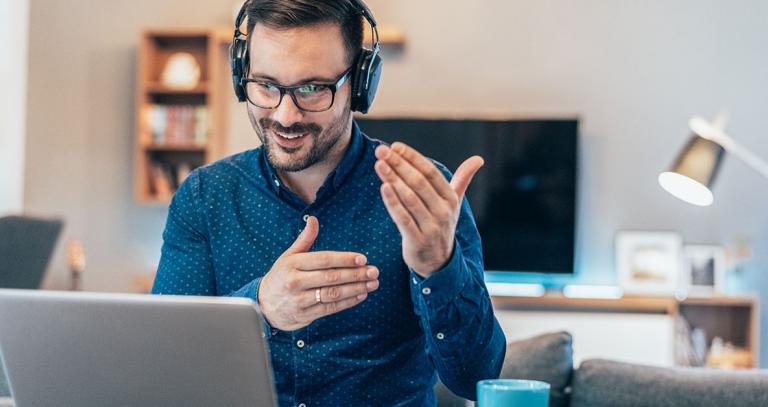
x: 337, y: 176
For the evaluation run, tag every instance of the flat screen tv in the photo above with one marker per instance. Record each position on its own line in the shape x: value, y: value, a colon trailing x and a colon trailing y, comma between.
x: 524, y: 197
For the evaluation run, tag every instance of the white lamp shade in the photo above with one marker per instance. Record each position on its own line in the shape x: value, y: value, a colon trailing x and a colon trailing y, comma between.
x: 694, y: 171
x: 686, y: 189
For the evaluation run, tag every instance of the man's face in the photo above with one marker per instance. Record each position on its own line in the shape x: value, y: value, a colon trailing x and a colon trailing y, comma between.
x: 289, y: 57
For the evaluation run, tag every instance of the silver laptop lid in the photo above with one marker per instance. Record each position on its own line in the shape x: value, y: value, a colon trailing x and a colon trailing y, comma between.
x: 94, y: 349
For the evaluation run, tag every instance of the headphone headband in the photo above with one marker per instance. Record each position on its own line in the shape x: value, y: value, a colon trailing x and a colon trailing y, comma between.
x: 363, y: 9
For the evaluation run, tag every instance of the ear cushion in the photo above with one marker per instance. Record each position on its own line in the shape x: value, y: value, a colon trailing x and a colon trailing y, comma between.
x: 365, y: 80
x: 238, y: 54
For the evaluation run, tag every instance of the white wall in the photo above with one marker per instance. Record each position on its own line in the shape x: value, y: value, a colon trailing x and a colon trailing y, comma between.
x: 14, y: 21
x: 633, y: 71
x: 627, y: 337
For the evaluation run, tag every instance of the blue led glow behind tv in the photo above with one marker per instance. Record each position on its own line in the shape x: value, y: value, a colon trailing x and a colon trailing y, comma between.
x: 523, y: 199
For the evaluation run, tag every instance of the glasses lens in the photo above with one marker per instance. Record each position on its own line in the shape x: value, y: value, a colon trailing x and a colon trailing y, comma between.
x: 262, y: 94
x: 313, y: 97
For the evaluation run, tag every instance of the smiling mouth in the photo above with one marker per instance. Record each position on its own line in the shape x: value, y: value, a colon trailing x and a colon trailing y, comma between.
x: 290, y: 136
x: 289, y: 140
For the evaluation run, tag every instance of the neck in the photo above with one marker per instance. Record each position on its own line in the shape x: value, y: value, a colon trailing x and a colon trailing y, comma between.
x: 307, y: 182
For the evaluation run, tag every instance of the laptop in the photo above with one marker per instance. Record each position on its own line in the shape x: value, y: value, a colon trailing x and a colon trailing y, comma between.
x: 99, y: 349
x: 26, y: 245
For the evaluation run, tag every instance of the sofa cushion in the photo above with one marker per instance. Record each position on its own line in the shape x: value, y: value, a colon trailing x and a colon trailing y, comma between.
x: 547, y: 358
x: 607, y: 383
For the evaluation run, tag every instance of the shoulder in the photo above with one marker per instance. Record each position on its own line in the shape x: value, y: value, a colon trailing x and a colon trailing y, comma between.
x: 232, y: 168
x: 244, y: 162
x: 223, y: 173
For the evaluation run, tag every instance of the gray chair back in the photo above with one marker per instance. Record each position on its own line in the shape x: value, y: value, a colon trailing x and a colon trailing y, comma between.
x: 26, y: 245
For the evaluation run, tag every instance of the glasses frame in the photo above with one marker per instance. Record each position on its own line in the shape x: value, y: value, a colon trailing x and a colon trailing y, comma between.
x: 334, y: 87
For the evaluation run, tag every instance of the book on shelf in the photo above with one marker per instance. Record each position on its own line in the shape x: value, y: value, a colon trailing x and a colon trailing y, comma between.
x: 166, y: 177
x: 178, y: 124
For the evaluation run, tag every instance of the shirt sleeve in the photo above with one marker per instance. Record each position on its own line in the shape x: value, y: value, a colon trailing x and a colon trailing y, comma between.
x: 186, y: 265
x: 464, y: 340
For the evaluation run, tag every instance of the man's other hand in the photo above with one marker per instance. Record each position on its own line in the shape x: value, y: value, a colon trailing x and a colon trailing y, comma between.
x: 303, y: 286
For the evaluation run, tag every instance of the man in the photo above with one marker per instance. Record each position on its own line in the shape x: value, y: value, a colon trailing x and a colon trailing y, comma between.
x: 364, y: 259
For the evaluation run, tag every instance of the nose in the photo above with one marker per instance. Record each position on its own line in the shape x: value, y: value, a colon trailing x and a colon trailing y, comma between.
x: 287, y: 113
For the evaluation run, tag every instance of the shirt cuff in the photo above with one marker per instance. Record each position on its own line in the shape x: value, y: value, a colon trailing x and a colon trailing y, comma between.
x: 444, y: 285
x: 251, y: 290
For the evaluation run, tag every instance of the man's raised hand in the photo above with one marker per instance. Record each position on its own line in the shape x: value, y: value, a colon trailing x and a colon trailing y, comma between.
x: 422, y: 203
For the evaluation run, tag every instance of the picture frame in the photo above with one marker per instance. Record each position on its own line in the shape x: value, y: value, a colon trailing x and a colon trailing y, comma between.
x: 648, y: 262
x: 703, y: 271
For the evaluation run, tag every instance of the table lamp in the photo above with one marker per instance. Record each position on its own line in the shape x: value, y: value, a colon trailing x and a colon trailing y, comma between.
x: 693, y: 172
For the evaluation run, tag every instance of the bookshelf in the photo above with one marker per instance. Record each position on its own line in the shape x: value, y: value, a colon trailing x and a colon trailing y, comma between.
x: 177, y: 129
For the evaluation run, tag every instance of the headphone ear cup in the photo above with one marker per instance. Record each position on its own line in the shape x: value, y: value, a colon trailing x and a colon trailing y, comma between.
x: 355, y: 81
x: 372, y: 84
x: 238, y: 56
x: 365, y: 80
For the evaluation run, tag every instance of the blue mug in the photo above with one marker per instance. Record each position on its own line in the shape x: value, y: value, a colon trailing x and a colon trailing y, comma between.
x: 512, y: 393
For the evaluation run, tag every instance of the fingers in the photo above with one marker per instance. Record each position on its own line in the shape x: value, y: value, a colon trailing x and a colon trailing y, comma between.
x: 412, y: 201
x: 453, y: 193
x: 337, y: 293
x: 315, y: 279
x: 464, y: 175
x: 403, y: 219
x: 327, y: 308
x: 306, y: 238
x: 426, y: 167
x: 326, y: 260
x: 410, y: 182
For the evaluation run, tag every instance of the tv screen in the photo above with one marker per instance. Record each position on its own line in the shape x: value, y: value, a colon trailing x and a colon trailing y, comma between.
x: 524, y: 197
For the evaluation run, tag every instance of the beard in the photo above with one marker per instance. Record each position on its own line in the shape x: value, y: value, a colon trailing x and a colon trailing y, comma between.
x: 319, y: 141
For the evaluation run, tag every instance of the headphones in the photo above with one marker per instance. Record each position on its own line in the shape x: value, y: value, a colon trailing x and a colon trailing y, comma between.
x: 364, y: 77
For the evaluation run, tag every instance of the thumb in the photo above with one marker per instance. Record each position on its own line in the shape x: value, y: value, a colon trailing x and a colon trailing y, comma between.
x: 306, y: 238
x: 464, y: 174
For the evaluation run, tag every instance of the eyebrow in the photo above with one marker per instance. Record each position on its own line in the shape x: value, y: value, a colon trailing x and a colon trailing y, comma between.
x: 301, y: 82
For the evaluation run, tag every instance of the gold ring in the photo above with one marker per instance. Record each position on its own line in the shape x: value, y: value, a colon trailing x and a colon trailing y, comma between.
x: 317, y: 295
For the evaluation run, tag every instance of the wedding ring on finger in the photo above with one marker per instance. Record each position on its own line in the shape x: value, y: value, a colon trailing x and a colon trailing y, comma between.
x: 317, y: 295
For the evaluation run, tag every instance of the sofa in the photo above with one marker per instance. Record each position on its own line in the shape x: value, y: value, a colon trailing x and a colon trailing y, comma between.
x: 603, y: 383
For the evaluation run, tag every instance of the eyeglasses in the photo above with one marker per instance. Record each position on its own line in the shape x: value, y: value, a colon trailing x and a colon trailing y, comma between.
x: 309, y: 97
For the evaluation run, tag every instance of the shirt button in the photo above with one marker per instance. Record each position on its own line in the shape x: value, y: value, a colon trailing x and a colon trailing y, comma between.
x: 277, y: 183
x: 302, y: 405
x: 440, y: 336
x: 305, y: 217
x: 414, y: 281
x: 300, y: 343
x: 426, y: 291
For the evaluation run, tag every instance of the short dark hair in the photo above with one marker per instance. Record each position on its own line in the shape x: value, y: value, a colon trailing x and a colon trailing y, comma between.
x: 282, y: 14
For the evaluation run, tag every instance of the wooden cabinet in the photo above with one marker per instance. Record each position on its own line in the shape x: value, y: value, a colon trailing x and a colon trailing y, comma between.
x: 733, y: 319
x: 177, y: 129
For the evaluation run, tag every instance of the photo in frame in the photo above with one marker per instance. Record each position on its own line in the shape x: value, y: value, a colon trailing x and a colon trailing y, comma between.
x: 703, y: 271
x: 648, y: 263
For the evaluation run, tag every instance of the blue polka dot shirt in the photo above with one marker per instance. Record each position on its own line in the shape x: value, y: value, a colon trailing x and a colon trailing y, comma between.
x: 230, y: 220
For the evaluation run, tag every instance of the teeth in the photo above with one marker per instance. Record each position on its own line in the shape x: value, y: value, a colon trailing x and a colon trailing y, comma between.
x: 289, y: 136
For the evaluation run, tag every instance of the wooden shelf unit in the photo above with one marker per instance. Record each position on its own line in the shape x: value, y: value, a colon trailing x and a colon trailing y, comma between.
x: 155, y: 159
x: 735, y: 319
